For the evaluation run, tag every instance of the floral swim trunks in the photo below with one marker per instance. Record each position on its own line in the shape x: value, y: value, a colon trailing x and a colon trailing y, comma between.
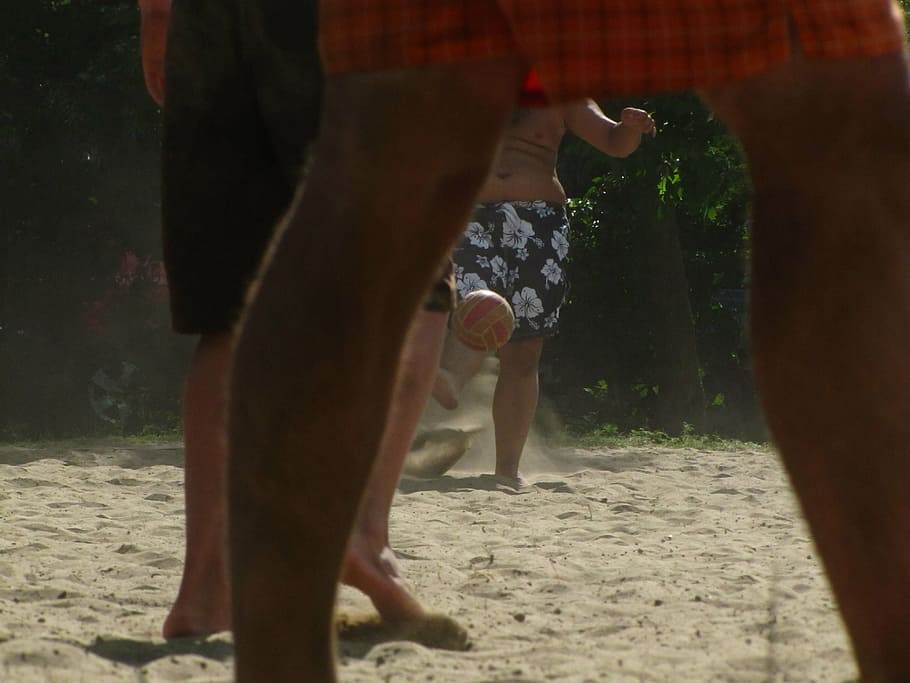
x: 518, y: 250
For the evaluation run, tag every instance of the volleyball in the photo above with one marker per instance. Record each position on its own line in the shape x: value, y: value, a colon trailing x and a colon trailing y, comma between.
x: 483, y: 321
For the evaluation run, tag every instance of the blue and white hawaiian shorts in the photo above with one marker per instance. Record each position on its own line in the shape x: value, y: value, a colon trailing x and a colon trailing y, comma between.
x: 519, y: 250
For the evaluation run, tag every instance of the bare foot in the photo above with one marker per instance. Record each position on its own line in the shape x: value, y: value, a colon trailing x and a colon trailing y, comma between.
x: 199, y: 612
x: 516, y: 482
x: 444, y: 389
x: 436, y: 451
x: 374, y: 572
x: 203, y: 607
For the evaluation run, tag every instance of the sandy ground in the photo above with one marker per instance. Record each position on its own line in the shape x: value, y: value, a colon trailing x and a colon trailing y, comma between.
x: 615, y: 565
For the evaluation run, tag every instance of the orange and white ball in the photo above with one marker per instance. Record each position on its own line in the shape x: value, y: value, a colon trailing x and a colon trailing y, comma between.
x: 483, y: 321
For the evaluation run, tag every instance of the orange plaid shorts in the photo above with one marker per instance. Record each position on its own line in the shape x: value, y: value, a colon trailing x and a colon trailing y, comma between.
x: 596, y: 48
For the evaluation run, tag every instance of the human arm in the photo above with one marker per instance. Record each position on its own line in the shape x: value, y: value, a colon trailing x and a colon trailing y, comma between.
x: 153, y: 35
x: 620, y: 139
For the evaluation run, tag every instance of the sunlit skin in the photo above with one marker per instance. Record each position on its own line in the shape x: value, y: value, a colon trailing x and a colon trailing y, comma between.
x: 153, y: 39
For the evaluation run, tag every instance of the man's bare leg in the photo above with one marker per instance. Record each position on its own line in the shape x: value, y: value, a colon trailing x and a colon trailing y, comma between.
x: 370, y: 563
x: 203, y: 606
x: 203, y: 601
x: 515, y: 402
x: 829, y: 151
x: 458, y: 365
x: 396, y: 170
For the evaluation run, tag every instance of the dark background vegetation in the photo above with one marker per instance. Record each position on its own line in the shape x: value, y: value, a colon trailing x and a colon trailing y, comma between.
x: 653, y: 335
x: 79, y: 142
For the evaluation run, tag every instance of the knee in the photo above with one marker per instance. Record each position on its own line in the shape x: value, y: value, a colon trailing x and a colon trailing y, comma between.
x: 521, y: 358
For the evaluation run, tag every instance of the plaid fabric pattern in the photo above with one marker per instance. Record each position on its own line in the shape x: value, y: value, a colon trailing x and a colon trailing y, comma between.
x: 605, y: 47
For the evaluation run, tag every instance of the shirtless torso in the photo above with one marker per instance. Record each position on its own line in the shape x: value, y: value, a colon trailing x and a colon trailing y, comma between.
x: 525, y: 165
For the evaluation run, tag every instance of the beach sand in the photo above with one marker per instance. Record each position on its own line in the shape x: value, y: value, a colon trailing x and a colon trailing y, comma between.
x: 638, y: 564
x: 619, y: 565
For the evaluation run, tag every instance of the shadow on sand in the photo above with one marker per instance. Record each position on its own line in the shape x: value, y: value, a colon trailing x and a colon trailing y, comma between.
x: 141, y: 652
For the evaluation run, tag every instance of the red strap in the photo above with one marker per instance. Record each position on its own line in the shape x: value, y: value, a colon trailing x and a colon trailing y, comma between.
x: 532, y: 94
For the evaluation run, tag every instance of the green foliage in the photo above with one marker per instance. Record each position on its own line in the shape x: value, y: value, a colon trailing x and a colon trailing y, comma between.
x: 599, y: 391
x: 611, y: 436
x: 694, y: 169
x: 152, y: 436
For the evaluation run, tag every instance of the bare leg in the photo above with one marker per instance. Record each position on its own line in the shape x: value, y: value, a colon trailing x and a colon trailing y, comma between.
x: 458, y: 365
x: 829, y: 151
x: 397, y: 167
x: 202, y: 606
x: 203, y: 601
x: 370, y: 563
x: 515, y: 402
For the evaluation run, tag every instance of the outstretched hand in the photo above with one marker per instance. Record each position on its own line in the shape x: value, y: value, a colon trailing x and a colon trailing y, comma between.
x: 638, y: 120
x: 153, y: 35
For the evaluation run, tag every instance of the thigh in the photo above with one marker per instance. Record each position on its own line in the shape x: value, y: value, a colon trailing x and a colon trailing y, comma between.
x: 811, y: 111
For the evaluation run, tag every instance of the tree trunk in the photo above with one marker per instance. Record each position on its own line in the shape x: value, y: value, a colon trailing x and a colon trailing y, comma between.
x: 680, y: 395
